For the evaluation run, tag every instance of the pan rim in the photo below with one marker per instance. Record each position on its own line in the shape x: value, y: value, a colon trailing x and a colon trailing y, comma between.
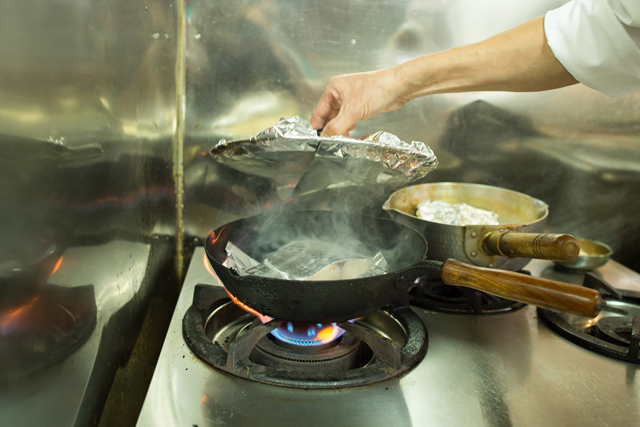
x: 387, y: 205
x: 360, y: 280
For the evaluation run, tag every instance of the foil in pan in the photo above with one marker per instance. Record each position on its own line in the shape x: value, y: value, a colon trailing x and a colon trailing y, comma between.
x: 307, y: 259
x: 247, y: 266
x: 314, y: 259
x: 293, y: 155
x: 455, y: 213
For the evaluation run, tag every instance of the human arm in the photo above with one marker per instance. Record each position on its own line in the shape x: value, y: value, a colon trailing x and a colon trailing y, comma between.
x: 517, y: 60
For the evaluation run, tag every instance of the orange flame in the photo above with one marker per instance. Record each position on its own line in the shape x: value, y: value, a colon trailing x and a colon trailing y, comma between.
x: 236, y: 301
x: 221, y: 234
x: 208, y: 267
x: 7, y: 319
x: 57, y: 266
x: 327, y: 334
x: 13, y: 315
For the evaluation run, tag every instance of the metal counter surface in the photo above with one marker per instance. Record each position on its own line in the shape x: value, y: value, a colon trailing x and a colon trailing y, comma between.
x: 507, y: 369
x: 73, y: 391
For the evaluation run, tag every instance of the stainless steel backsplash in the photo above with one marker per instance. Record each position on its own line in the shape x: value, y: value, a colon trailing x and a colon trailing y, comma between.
x: 250, y: 62
x: 87, y: 117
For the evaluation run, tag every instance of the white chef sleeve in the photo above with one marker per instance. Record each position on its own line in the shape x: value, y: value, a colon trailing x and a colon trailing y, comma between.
x: 597, y: 42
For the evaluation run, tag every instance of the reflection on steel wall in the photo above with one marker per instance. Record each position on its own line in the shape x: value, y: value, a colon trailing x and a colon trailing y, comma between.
x: 87, y: 114
x: 251, y: 62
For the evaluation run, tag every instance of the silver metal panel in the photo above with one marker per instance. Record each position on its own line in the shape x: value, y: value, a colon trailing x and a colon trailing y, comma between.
x: 87, y: 114
x: 251, y: 62
x: 66, y: 393
x: 507, y: 369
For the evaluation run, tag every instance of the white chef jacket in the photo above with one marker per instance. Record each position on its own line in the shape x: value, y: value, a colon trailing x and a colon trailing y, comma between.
x: 598, y: 41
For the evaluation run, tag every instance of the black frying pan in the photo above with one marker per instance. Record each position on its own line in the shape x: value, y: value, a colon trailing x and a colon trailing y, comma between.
x: 337, y: 300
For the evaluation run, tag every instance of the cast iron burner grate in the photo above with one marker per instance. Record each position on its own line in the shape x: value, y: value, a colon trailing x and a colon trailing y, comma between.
x: 45, y: 331
x: 374, y: 348
x: 434, y: 295
x: 613, y: 335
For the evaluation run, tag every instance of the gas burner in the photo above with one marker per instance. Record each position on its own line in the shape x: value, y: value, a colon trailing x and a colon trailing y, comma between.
x: 340, y: 354
x: 304, y: 335
x: 376, y: 347
x: 613, y: 335
x: 46, y: 330
x: 434, y: 295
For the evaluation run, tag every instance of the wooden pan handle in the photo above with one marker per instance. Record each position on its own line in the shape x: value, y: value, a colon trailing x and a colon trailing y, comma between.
x: 545, y: 293
x: 554, y: 247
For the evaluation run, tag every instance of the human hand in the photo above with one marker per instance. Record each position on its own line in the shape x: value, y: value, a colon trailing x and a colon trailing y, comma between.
x: 351, y: 98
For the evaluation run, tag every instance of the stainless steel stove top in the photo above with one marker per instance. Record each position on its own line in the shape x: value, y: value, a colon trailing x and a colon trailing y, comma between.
x: 72, y: 390
x: 503, y: 369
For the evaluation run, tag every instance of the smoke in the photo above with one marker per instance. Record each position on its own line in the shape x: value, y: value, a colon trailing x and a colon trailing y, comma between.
x: 333, y: 214
x: 298, y: 244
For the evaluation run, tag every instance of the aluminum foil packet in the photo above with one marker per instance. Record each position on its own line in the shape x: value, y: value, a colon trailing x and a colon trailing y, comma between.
x: 455, y: 214
x: 247, y: 266
x: 293, y: 155
x: 307, y: 259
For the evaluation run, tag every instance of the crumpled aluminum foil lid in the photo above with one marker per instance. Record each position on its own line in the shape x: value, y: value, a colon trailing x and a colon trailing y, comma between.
x: 290, y: 134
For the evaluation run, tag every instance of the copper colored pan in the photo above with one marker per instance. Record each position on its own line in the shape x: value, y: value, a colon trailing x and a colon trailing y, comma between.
x: 508, y: 246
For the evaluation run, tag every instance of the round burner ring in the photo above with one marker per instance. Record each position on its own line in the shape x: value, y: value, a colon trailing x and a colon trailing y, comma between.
x: 605, y: 335
x: 343, y: 355
x: 46, y: 331
x: 212, y: 328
